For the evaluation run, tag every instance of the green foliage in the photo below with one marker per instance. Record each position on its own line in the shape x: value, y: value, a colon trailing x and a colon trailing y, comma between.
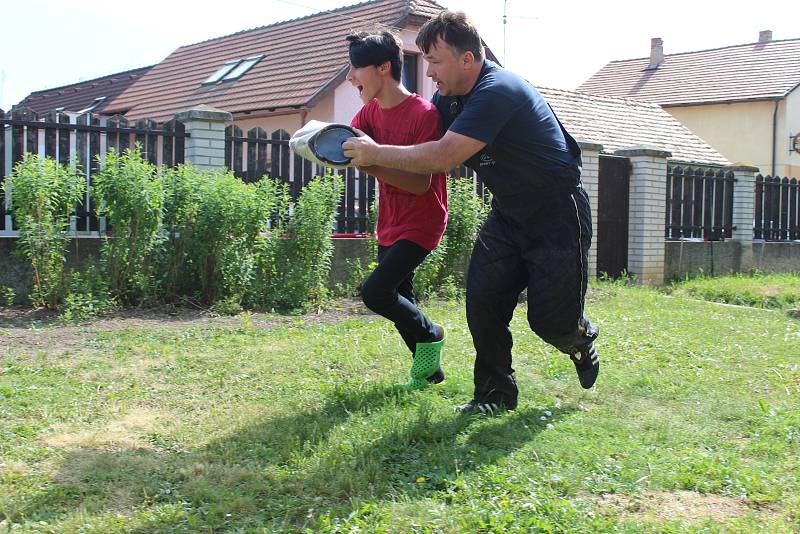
x: 293, y: 266
x: 181, y: 203
x: 7, y: 296
x: 467, y: 212
x: 228, y: 306
x: 219, y: 232
x: 778, y: 291
x: 130, y: 194
x: 45, y: 194
x: 88, y: 296
x: 443, y: 271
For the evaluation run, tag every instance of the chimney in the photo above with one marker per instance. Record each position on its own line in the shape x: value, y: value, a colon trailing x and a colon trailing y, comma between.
x: 764, y: 36
x: 656, y: 52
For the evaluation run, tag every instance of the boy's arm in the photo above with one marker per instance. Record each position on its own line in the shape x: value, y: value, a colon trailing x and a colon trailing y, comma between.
x: 417, y: 184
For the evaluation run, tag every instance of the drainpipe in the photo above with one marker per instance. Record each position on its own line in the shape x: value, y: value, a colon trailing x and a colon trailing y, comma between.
x: 774, y: 134
x: 303, y: 116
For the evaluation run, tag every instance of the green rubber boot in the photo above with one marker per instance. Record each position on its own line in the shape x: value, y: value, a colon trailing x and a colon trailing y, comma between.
x: 427, y: 360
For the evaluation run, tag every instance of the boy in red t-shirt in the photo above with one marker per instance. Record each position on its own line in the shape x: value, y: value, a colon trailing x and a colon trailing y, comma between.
x: 412, y: 208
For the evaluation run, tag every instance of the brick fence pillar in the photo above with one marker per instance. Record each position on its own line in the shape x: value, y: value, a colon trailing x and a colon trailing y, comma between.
x: 744, y: 212
x: 647, y: 209
x: 205, y: 148
x: 590, y: 176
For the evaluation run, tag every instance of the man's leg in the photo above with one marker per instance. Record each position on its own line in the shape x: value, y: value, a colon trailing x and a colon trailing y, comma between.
x: 495, y: 278
x: 556, y: 257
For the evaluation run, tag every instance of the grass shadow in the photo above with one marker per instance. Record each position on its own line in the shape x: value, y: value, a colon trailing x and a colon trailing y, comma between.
x: 284, y: 472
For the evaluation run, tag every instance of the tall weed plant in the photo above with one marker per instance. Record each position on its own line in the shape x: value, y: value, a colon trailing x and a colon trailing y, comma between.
x: 229, y: 218
x: 294, y: 261
x: 130, y: 193
x: 443, y: 271
x: 44, y: 195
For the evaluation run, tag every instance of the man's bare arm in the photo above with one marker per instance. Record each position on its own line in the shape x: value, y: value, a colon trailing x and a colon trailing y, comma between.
x: 417, y: 184
x: 435, y: 156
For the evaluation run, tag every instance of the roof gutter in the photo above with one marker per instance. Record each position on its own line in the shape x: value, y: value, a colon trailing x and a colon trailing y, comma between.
x: 774, y: 134
x: 711, y: 102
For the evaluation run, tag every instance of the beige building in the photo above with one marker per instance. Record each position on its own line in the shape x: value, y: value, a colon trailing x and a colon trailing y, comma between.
x: 743, y: 100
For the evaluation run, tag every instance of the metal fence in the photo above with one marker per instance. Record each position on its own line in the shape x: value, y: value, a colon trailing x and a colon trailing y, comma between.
x: 258, y: 154
x: 78, y: 139
x: 699, y: 203
x: 777, y: 209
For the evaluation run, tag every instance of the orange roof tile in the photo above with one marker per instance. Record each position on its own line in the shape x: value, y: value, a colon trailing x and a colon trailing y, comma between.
x: 757, y: 71
x: 302, y: 57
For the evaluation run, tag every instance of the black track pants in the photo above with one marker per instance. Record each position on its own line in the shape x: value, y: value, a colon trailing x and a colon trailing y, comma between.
x: 548, y: 255
x: 389, y: 291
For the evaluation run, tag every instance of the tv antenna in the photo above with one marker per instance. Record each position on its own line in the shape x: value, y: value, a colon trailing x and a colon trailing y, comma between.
x: 505, y: 27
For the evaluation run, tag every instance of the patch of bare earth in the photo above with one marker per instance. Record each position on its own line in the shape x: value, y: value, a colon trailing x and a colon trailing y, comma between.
x: 687, y: 506
x: 25, y: 332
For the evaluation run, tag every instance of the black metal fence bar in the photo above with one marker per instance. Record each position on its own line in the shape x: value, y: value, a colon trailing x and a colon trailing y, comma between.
x: 699, y: 203
x: 79, y: 140
x: 777, y: 205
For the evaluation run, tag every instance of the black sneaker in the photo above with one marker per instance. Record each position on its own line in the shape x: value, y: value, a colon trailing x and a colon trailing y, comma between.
x: 481, y: 408
x: 587, y: 364
x: 437, y: 377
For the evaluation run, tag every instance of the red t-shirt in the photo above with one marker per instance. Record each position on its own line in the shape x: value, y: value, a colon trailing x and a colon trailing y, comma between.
x: 402, y: 215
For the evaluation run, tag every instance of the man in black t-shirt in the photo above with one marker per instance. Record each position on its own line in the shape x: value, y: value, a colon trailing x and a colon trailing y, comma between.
x: 539, y: 230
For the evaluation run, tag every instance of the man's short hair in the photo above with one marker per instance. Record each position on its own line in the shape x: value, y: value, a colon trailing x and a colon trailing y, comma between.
x: 375, y: 49
x: 456, y: 29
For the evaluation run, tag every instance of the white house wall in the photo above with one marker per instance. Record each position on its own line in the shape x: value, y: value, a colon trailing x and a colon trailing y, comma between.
x: 742, y: 132
x: 792, y: 128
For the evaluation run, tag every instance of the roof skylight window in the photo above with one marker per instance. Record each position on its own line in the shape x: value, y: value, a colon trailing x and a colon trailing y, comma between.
x: 96, y: 102
x: 243, y: 67
x: 222, y: 71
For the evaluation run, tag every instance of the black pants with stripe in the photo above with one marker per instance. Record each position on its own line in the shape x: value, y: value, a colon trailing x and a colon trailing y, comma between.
x: 548, y: 254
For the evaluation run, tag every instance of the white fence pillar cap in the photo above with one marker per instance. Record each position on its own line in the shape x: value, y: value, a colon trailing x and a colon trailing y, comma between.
x: 205, y: 113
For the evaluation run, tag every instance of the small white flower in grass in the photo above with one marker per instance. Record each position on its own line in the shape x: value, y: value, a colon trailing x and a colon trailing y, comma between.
x: 550, y: 425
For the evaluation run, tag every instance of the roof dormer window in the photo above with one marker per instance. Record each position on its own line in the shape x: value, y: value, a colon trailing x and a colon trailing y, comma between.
x: 96, y: 102
x: 233, y: 70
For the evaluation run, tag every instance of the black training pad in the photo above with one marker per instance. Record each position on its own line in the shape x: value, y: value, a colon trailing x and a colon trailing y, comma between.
x: 327, y: 144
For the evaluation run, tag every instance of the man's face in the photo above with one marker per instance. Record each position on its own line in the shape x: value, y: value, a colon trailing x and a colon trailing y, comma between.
x: 367, y: 80
x: 445, y: 68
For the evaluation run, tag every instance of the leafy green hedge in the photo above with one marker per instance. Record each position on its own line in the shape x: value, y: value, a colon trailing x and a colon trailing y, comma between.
x: 175, y: 235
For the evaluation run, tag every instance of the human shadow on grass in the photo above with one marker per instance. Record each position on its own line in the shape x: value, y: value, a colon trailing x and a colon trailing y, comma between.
x: 284, y: 471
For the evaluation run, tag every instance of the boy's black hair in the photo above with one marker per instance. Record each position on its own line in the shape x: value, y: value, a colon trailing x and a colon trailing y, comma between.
x: 375, y: 49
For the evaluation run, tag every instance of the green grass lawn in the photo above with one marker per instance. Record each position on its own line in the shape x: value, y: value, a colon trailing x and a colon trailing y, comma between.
x: 290, y: 424
x: 773, y: 290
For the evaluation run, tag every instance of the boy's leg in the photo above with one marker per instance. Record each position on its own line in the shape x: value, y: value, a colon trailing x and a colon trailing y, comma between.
x: 406, y: 290
x: 380, y: 291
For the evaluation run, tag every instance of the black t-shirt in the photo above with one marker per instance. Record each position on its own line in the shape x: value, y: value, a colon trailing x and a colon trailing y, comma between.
x: 527, y: 151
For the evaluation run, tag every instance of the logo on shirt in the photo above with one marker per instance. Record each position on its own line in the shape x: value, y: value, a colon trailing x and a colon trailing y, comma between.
x: 487, y: 160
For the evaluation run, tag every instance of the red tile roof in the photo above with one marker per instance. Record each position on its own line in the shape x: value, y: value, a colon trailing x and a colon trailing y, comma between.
x: 302, y: 58
x: 617, y: 123
x: 79, y: 96
x: 757, y: 71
